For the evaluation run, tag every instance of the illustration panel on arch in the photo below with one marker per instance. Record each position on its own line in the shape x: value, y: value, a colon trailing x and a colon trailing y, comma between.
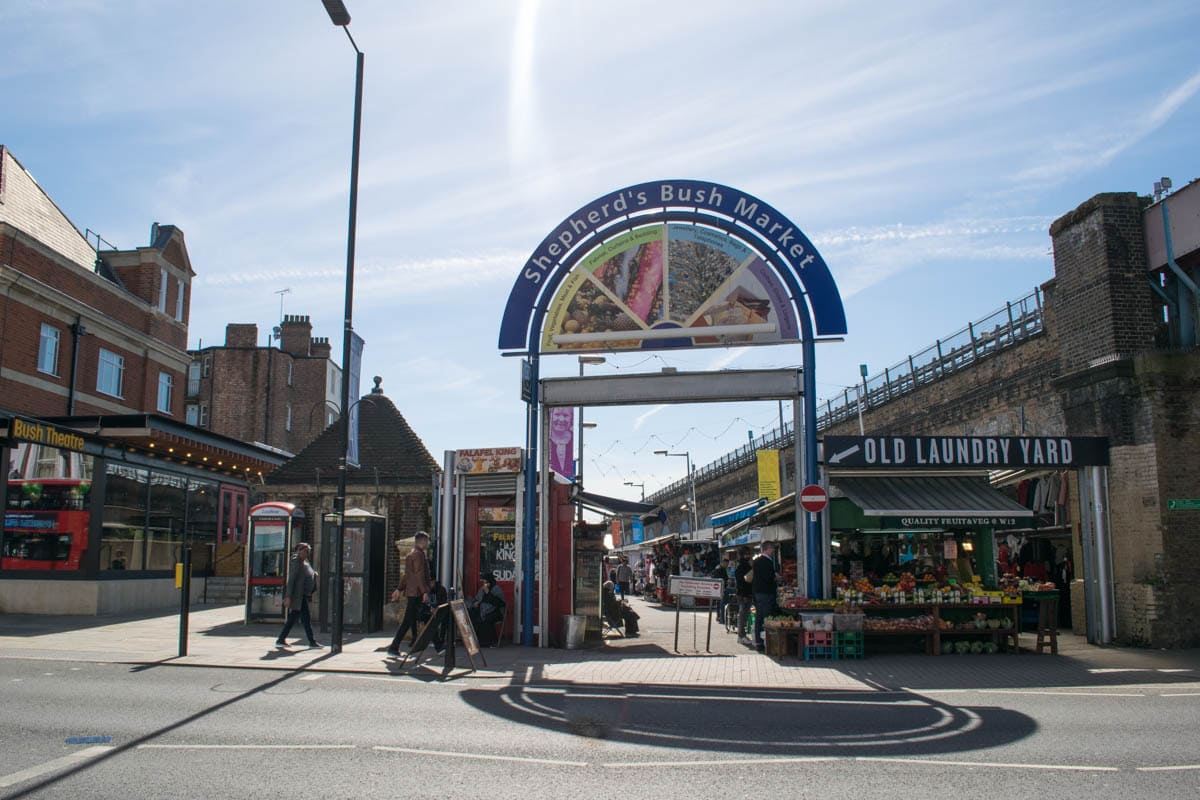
x: 617, y: 288
x: 664, y: 286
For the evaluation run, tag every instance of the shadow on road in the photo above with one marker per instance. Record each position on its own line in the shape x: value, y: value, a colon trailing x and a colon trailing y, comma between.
x: 764, y: 722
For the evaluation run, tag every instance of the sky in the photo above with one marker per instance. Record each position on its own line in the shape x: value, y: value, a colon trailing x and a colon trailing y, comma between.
x: 924, y: 148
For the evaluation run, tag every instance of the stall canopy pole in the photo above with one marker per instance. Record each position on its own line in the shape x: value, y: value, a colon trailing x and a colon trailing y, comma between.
x: 813, y: 538
x: 802, y: 588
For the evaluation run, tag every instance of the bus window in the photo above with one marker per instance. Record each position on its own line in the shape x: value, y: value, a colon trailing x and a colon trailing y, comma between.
x: 45, y: 524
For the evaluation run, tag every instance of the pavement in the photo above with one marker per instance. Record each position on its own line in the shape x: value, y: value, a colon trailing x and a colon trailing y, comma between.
x: 219, y: 637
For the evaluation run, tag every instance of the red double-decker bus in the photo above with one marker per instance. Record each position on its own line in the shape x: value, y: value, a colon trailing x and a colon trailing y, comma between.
x: 45, y: 524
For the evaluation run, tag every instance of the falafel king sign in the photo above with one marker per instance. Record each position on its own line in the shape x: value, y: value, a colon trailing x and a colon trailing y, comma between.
x: 671, y: 264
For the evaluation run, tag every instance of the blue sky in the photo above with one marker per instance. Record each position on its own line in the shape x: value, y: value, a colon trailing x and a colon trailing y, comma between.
x: 924, y: 148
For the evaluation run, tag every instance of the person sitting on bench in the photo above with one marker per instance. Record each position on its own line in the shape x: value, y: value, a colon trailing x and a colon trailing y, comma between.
x: 486, y: 609
x: 617, y: 612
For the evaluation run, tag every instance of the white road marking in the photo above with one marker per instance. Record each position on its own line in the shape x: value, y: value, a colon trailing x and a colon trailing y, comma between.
x: 725, y: 762
x: 48, y: 674
x: 480, y: 756
x: 618, y: 695
x: 76, y: 669
x: 1169, y: 769
x: 312, y: 677
x: 245, y: 747
x: 936, y: 762
x: 51, y: 766
x: 1107, y: 670
x: 1175, y: 670
x: 1068, y: 694
x: 1182, y: 694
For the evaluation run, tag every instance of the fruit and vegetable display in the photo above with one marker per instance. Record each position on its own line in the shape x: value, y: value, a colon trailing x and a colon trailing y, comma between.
x: 919, y: 624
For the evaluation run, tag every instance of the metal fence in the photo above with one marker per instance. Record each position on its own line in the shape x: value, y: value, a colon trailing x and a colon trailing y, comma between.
x: 1013, y: 324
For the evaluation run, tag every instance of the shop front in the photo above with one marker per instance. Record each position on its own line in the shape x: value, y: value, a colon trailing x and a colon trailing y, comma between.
x: 97, y: 512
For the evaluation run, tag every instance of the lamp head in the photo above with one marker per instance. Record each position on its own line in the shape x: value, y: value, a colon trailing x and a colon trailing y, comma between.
x: 336, y: 9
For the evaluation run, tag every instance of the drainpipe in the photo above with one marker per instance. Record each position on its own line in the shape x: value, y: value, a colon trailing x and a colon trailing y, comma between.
x: 77, y: 332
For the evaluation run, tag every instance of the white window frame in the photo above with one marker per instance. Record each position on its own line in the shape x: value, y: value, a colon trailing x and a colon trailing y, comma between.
x: 203, y: 415
x: 193, y: 385
x: 179, y: 302
x: 192, y: 414
x: 162, y: 291
x: 288, y: 424
x: 207, y: 364
x: 291, y: 372
x: 110, y: 365
x: 166, y: 386
x: 48, y: 343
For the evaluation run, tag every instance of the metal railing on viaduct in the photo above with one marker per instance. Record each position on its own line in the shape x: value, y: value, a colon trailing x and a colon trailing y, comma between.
x: 1011, y: 325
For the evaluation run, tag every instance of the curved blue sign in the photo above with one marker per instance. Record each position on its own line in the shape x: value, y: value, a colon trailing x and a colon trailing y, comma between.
x: 660, y: 256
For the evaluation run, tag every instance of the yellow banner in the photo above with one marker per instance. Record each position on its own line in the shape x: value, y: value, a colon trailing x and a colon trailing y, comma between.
x: 768, y: 474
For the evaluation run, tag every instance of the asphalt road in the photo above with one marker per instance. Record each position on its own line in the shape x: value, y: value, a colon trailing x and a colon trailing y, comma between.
x: 177, y: 732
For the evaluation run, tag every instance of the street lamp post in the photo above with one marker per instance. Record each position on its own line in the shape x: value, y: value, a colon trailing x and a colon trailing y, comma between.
x: 579, y: 470
x: 341, y: 18
x: 641, y: 486
x: 691, y: 485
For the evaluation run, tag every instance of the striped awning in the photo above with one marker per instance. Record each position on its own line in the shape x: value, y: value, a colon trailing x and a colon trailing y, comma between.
x: 732, y: 515
x: 929, y: 497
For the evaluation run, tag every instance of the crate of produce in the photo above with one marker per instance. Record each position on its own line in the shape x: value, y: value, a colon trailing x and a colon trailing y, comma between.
x: 817, y: 622
x: 818, y: 653
x: 848, y: 622
x: 818, y: 639
x: 776, y: 644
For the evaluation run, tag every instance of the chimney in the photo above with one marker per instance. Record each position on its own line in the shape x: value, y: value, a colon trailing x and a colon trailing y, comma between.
x: 295, y: 335
x: 320, y: 347
x: 241, y: 334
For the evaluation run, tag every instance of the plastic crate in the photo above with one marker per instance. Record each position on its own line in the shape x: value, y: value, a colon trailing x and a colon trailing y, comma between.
x: 817, y: 622
x: 849, y: 653
x: 818, y: 639
x: 849, y: 638
x: 818, y: 653
x: 848, y: 622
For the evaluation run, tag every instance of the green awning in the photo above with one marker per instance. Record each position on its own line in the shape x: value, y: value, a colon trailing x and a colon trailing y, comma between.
x: 957, y: 497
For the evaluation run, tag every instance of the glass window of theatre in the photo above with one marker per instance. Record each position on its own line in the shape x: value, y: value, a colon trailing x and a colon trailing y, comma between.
x: 123, y: 535
x: 46, y: 515
x: 164, y: 533
x: 202, y: 506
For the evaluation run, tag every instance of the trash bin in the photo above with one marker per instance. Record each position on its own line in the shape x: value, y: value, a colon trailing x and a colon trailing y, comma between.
x: 575, y: 626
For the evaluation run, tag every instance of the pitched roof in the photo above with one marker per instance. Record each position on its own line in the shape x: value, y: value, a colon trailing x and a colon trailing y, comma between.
x: 386, y: 444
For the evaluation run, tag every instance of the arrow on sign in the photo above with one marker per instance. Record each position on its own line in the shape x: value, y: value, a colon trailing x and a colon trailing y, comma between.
x: 837, y: 457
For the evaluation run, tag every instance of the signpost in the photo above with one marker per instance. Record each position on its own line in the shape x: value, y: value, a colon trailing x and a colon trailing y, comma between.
x: 1189, y: 504
x: 708, y: 588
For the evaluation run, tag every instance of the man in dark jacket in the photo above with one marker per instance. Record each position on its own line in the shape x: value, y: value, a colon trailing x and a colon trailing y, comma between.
x: 745, y: 593
x: 764, y: 587
x: 414, y: 586
x: 301, y: 583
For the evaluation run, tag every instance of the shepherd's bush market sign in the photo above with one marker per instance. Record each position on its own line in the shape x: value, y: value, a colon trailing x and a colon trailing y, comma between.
x: 993, y: 452
x: 40, y: 433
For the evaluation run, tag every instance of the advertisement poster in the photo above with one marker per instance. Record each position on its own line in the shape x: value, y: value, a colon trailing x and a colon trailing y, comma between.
x: 562, y: 441
x: 488, y: 460
x: 768, y: 474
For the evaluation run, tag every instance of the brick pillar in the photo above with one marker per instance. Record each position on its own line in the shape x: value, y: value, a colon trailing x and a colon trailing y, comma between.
x: 1104, y: 306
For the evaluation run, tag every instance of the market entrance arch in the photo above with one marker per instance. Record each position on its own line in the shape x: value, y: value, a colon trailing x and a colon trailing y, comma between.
x: 664, y: 265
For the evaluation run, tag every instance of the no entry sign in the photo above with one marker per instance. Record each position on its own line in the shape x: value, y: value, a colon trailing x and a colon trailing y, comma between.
x: 813, y: 498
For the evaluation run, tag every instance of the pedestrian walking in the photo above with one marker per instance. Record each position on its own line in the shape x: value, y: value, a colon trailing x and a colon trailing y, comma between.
x: 414, y: 585
x: 624, y: 578
x: 301, y: 583
x: 764, y: 585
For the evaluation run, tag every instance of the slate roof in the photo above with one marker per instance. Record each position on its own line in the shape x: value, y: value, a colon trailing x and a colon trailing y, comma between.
x: 385, y: 443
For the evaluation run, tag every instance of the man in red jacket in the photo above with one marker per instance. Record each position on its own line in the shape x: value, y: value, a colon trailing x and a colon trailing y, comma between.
x: 415, y: 585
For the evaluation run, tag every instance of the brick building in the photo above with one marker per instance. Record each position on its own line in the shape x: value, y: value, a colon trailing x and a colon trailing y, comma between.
x: 105, y: 484
x: 395, y: 477
x: 281, y: 396
x: 1107, y: 348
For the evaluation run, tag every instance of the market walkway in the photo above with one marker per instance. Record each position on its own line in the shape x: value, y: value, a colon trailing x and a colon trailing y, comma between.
x: 219, y: 638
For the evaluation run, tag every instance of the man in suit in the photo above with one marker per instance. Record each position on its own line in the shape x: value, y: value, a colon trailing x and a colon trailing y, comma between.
x: 764, y: 587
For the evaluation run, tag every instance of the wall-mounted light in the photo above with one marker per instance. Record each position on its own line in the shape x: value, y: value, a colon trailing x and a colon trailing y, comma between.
x: 968, y: 546
x: 152, y: 445
x: 170, y: 449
